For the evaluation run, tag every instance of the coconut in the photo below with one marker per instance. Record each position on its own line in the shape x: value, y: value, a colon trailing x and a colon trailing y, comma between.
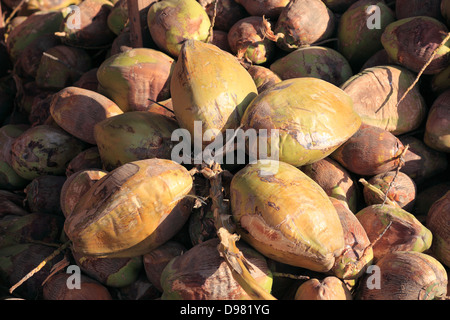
x: 93, y: 31
x: 43, y: 194
x: 315, y: 61
x: 402, y: 189
x: 156, y: 260
x: 437, y: 128
x: 404, y: 275
x: 201, y: 273
x: 76, y: 186
x: 247, y: 40
x: 441, y: 81
x: 86, y: 159
x: 410, y: 42
x: 9, y: 179
x: 209, y: 85
x: 380, y: 58
x: 304, y: 22
x: 399, y: 230
x: 36, y: 25
x: 111, y: 272
x: 8, y: 133
x: 370, y: 151
x: 67, y: 65
x: 171, y: 22
x: 270, y: 9
x: 44, y: 5
x: 78, y: 110
x: 286, y: 216
x: 43, y: 150
x: 329, y: 288
x: 141, y: 289
x: 358, y: 39
x: 376, y: 92
x: 225, y: 12
x: 429, y: 195
x: 105, y: 223
x: 219, y: 38
x: 422, y: 162
x: 134, y: 135
x: 263, y: 77
x: 56, y: 288
x: 312, y: 118
x: 437, y: 221
x: 42, y: 227
x: 88, y: 80
x: 135, y: 78
x: 413, y: 8
x: 334, y: 179
x: 358, y: 253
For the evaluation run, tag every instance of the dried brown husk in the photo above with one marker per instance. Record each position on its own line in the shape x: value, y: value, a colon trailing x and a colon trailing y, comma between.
x: 224, y: 12
x: 88, y: 80
x: 400, y: 230
x: 56, y: 288
x: 376, y: 92
x: 335, y: 180
x: 370, y: 151
x: 437, y: 127
x: 438, y: 218
x: 404, y: 275
x: 156, y: 260
x: 43, y: 194
x: 78, y: 110
x: 264, y: 77
x: 86, y: 159
x: 402, y: 189
x: 75, y: 186
x: 329, y: 288
x: 304, y: 22
x: 410, y: 42
x: 201, y: 273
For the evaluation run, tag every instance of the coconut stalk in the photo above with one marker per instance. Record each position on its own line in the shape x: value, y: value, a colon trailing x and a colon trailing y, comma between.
x: 225, y: 232
x: 134, y: 8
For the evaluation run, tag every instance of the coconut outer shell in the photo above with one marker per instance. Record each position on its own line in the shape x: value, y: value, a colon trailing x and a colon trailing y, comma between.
x: 171, y: 22
x: 78, y: 110
x: 404, y: 275
x: 437, y: 221
x: 132, y: 210
x: 201, y: 273
x: 276, y: 210
x: 86, y: 159
x: 136, y: 77
x: 211, y: 86
x: 376, y: 92
x: 406, y: 233
x: 437, y: 127
x: 263, y: 77
x: 329, y: 288
x: 370, y: 151
x: 410, y: 42
x: 134, y: 135
x: 313, y: 118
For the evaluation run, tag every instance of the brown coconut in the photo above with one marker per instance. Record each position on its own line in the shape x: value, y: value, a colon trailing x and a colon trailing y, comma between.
x: 437, y: 127
x: 438, y: 218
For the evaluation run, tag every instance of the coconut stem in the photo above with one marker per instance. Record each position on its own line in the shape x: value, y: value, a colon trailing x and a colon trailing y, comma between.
x: 380, y: 194
x: 290, y: 276
x: 40, y: 266
x: 447, y: 38
x: 16, y: 9
x: 213, y: 21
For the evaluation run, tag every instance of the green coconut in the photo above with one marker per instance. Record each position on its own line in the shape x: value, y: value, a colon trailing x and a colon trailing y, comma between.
x: 209, y: 86
x: 43, y: 150
x: 314, y: 61
x: 358, y: 39
x: 312, y: 117
x: 135, y: 78
x: 171, y: 22
x: 437, y: 127
x: 134, y: 135
x: 286, y: 216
